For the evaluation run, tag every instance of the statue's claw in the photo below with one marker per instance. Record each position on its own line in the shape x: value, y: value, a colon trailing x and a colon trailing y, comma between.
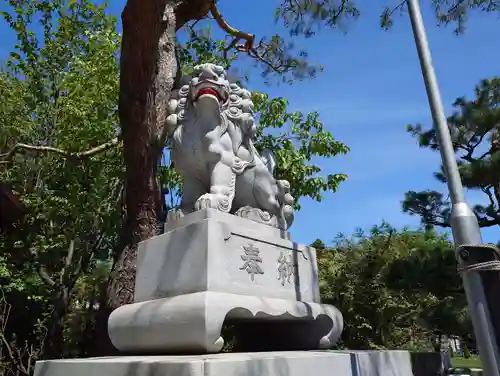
x: 257, y: 215
x: 213, y: 201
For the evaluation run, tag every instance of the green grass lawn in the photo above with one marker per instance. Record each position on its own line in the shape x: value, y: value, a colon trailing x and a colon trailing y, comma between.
x: 472, y: 362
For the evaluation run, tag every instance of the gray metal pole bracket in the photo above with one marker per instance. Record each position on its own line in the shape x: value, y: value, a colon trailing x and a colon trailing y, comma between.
x: 478, y: 258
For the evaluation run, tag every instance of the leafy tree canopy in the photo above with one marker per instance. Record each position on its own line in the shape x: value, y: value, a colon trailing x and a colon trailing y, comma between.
x: 148, y: 66
x: 395, y: 288
x: 474, y: 128
x: 60, y: 150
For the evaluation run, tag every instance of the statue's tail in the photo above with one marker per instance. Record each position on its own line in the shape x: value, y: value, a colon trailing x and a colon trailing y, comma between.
x: 287, y: 201
x: 269, y: 160
x: 284, y: 197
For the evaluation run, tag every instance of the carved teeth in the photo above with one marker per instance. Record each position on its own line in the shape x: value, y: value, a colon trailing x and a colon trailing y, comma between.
x: 207, y: 91
x: 210, y: 88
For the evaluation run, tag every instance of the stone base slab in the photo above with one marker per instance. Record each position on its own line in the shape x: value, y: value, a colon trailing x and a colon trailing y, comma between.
x: 380, y: 363
x: 192, y: 323
x: 292, y: 363
x: 213, y: 214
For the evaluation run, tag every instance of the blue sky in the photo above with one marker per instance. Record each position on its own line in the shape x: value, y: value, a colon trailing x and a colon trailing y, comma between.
x: 370, y: 89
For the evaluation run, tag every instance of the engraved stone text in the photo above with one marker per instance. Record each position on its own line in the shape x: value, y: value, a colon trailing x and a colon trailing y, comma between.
x: 285, y: 268
x: 252, y: 261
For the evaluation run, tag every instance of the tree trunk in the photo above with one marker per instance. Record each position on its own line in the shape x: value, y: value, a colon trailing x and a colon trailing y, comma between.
x: 147, y: 73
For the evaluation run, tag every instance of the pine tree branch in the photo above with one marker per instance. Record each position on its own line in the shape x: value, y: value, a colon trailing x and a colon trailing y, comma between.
x: 67, y: 262
x: 237, y: 34
x: 389, y: 12
x: 249, y: 42
x: 7, y: 157
x: 42, y: 272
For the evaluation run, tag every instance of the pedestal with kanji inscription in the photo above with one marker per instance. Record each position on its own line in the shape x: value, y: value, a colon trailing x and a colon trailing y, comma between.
x: 210, y: 268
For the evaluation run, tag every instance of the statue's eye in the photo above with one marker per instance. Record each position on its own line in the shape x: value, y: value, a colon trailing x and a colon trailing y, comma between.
x: 218, y: 70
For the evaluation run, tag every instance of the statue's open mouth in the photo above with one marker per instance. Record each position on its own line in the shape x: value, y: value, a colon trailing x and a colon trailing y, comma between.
x: 212, y: 90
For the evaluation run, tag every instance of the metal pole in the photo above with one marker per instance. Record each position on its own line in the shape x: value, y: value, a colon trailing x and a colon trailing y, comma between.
x: 464, y: 223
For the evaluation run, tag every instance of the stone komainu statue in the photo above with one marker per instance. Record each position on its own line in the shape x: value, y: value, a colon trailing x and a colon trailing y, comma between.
x: 211, y: 126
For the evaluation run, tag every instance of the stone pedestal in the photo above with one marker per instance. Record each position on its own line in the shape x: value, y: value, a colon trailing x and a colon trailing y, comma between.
x: 291, y: 363
x: 212, y: 268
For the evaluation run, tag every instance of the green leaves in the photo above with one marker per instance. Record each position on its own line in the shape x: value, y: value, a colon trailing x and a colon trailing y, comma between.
x: 474, y: 128
x: 304, y: 17
x: 455, y: 13
x: 200, y: 47
x: 394, y: 288
x: 297, y: 140
x: 60, y: 90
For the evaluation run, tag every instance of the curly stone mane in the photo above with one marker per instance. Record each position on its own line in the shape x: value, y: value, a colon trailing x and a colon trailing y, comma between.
x: 237, y: 116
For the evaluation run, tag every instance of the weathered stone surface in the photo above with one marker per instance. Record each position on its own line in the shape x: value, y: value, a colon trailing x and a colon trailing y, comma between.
x: 218, y: 252
x: 380, y: 363
x: 216, y: 269
x: 290, y: 363
x: 211, y: 127
x: 201, y: 215
x: 192, y: 323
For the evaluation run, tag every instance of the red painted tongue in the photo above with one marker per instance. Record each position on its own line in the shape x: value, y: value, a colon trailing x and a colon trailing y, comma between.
x: 208, y: 90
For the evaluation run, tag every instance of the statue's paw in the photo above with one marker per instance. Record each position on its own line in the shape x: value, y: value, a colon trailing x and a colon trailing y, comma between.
x: 257, y: 215
x: 213, y: 201
x: 206, y: 201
